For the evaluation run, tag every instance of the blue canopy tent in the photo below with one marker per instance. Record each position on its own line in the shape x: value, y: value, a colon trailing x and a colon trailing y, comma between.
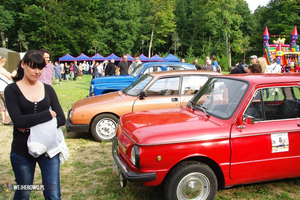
x: 113, y: 56
x: 67, y: 57
x: 130, y: 58
x: 156, y: 58
x: 97, y: 56
x: 82, y: 57
x: 171, y: 58
x: 143, y: 58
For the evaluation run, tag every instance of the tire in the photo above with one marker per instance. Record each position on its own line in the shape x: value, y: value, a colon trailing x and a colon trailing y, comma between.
x: 104, y: 127
x: 191, y: 180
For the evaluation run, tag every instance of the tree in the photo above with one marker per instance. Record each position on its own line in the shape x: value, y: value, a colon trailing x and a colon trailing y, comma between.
x: 176, y: 42
x: 162, y: 20
x: 22, y: 43
x: 6, y: 21
x: 226, y: 23
x: 120, y: 24
x: 191, y: 28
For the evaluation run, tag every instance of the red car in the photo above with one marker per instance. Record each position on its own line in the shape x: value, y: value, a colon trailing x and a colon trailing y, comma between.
x: 237, y: 129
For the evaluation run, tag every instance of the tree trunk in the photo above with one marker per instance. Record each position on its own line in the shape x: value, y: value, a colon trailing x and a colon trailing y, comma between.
x: 175, y: 47
x: 227, y: 53
x: 194, y: 33
x: 228, y: 50
x: 209, y: 41
x: 20, y: 44
x: 2, y: 38
x: 151, y: 40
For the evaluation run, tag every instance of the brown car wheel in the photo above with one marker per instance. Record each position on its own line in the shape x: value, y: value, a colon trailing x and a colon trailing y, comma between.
x: 104, y: 127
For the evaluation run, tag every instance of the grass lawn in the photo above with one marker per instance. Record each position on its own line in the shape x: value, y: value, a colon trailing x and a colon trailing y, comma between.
x: 69, y: 92
x: 88, y: 174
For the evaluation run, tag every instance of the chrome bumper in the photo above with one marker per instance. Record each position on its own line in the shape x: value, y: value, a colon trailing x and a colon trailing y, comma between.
x: 121, y: 167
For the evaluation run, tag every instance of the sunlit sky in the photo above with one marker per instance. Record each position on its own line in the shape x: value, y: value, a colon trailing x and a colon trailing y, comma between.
x: 253, y: 4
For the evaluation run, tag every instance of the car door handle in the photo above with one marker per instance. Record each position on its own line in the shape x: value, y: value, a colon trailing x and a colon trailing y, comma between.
x: 174, y: 99
x: 298, y: 124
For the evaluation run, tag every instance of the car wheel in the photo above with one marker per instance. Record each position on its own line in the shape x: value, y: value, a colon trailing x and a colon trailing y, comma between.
x: 191, y: 180
x: 104, y: 127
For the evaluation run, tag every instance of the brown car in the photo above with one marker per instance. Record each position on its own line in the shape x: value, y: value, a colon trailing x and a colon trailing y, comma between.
x: 159, y: 90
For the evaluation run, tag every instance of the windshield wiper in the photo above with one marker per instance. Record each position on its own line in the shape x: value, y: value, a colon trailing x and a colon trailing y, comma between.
x: 203, y: 108
x: 192, y: 104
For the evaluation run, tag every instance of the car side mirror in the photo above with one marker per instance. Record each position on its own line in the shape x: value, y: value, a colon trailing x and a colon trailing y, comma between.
x: 142, y: 95
x: 248, y: 119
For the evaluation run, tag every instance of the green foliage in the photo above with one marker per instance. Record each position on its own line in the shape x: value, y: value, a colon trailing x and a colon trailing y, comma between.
x: 186, y: 28
x: 6, y: 19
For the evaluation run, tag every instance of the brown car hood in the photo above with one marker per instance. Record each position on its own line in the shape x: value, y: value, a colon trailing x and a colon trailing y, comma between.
x: 90, y: 101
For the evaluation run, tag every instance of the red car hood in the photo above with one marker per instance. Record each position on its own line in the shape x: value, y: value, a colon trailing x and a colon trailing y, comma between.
x: 170, y: 126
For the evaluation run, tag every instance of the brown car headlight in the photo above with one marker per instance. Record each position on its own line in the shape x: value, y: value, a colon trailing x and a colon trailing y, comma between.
x: 135, y: 156
x: 70, y: 114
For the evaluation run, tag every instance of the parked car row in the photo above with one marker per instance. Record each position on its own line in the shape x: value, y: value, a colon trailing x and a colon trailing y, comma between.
x: 167, y: 89
x: 195, y: 131
x: 103, y: 85
x: 230, y: 133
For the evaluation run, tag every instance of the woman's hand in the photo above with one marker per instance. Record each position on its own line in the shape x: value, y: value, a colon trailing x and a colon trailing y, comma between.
x: 22, y: 129
x: 53, y: 113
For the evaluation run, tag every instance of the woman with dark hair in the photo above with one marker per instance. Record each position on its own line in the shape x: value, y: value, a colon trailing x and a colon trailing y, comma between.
x: 29, y: 103
x: 255, y: 68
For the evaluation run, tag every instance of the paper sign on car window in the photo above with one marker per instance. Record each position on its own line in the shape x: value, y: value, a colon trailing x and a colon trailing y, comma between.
x: 280, y: 142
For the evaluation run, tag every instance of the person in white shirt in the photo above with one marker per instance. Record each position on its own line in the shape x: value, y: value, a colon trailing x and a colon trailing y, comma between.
x: 100, y: 69
x: 5, y: 79
x: 253, y: 59
x: 135, y: 63
x: 275, y: 67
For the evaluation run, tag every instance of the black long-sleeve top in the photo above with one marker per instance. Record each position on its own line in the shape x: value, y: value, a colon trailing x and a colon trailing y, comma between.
x: 110, y: 69
x: 25, y: 114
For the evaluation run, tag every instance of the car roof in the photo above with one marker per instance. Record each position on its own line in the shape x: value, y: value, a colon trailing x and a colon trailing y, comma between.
x: 183, y: 72
x: 266, y: 78
x: 188, y: 65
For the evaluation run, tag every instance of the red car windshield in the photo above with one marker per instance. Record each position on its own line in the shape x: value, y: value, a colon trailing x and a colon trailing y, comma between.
x: 219, y: 97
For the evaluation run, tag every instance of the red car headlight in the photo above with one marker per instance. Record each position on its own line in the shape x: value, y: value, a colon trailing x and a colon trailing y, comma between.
x: 135, y: 156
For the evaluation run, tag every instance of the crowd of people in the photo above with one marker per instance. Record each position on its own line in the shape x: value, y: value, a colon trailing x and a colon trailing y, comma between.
x: 70, y: 71
x: 259, y: 65
x: 73, y: 70
x: 210, y: 64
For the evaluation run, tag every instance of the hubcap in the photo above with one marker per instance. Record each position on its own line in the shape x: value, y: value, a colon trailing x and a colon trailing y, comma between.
x: 106, y: 128
x: 193, y: 186
x: 123, y: 181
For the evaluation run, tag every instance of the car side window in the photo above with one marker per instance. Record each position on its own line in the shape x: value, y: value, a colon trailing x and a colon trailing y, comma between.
x: 277, y: 103
x: 152, y: 69
x: 296, y: 93
x: 255, y: 107
x: 284, y: 105
x: 174, y: 68
x: 191, y: 84
x: 164, y: 87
